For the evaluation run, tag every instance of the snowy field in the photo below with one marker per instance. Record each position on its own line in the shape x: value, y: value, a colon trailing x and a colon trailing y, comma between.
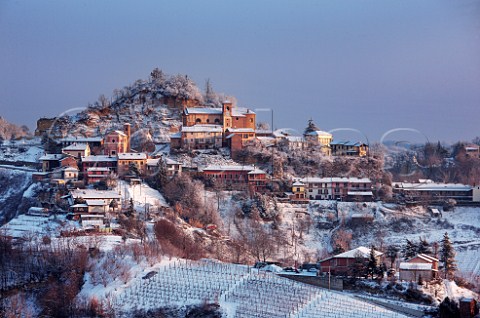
x: 241, y: 292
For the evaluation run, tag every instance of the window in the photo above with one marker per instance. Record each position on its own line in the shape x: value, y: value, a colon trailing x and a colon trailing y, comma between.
x: 236, y: 118
x: 113, y: 140
x: 198, y: 120
x: 217, y: 121
x: 208, y: 120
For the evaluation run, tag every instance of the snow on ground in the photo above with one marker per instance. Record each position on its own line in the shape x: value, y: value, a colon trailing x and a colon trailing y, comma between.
x: 21, y: 152
x: 33, y: 226
x: 142, y: 195
x: 240, y: 291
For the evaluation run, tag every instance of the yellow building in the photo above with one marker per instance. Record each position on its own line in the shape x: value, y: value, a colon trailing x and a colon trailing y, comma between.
x: 315, y: 137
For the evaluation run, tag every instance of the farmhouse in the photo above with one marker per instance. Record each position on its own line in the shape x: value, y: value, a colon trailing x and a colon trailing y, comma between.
x: 422, y: 265
x: 341, y: 264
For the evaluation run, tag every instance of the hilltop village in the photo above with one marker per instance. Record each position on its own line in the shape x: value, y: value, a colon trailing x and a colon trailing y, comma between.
x: 162, y: 171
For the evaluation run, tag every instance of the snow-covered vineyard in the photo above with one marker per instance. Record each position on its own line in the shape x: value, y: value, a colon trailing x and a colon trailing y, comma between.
x: 241, y: 292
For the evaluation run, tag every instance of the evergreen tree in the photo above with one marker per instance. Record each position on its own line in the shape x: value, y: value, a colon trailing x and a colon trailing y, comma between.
x: 131, y: 209
x: 210, y: 96
x: 447, y: 256
x: 392, y: 253
x: 424, y: 247
x: 410, y: 250
x: 372, y: 266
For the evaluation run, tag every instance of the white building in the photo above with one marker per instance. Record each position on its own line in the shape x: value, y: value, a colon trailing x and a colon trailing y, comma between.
x: 338, y: 188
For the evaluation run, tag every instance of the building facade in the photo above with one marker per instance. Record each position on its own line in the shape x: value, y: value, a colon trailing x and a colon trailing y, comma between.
x: 338, y: 188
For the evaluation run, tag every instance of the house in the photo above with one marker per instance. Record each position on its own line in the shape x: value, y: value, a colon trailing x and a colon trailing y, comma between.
x: 95, y: 143
x: 77, y: 150
x: 69, y: 162
x: 198, y: 137
x: 427, y: 190
x: 341, y: 264
x: 97, y: 174
x: 238, y: 138
x: 91, y: 194
x: 349, y: 148
x: 129, y: 162
x: 117, y: 141
x: 472, y: 150
x: 338, y: 188
x: 50, y: 161
x: 422, y: 265
x: 236, y: 177
x: 99, y: 161
x: 314, y: 137
x: 70, y: 174
x: 298, y: 194
x: 172, y: 167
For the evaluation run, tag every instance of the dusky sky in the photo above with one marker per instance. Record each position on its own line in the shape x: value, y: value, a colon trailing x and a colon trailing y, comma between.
x: 370, y: 65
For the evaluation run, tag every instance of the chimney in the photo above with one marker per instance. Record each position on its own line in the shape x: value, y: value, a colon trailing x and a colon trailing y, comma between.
x: 127, y: 130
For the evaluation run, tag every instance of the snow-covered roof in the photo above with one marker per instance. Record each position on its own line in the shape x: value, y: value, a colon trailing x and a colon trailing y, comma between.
x: 427, y: 258
x: 203, y: 110
x: 81, y: 139
x: 99, y: 158
x: 132, y: 156
x: 169, y: 161
x: 241, y: 111
x: 257, y: 171
x: 241, y: 130
x: 176, y: 135
x: 79, y: 205
x: 70, y: 169
x: 98, y: 169
x: 153, y: 162
x: 319, y: 133
x: 121, y: 133
x: 94, y: 194
x: 335, y: 179
x: 362, y: 251
x: 298, y: 184
x: 416, y: 266
x: 431, y: 186
x: 295, y: 138
x: 76, y: 147
x: 51, y: 156
x: 202, y: 128
x: 347, y: 143
x: 228, y: 168
x: 95, y: 202
x: 363, y: 193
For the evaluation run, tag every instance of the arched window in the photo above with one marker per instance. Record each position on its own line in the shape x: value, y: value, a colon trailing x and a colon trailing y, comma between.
x: 217, y: 121
x: 208, y: 120
x: 198, y: 120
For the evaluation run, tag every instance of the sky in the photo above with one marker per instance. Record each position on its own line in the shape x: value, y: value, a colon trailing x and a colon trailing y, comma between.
x: 382, y: 69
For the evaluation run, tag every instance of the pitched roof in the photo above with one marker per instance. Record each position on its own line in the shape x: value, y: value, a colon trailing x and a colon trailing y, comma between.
x: 202, y: 128
x: 76, y: 146
x: 203, y: 110
x: 416, y: 266
x: 51, y: 156
x: 335, y: 179
x: 228, y: 168
x: 132, y: 156
x: 94, y: 194
x: 99, y: 158
x: 361, y: 250
x: 431, y: 186
x: 257, y: 171
x: 347, y: 143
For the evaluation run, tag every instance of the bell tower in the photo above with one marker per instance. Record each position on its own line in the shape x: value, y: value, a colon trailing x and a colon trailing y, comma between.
x: 227, y: 114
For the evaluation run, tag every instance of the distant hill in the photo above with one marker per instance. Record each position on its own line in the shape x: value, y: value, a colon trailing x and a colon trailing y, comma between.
x: 12, y: 131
